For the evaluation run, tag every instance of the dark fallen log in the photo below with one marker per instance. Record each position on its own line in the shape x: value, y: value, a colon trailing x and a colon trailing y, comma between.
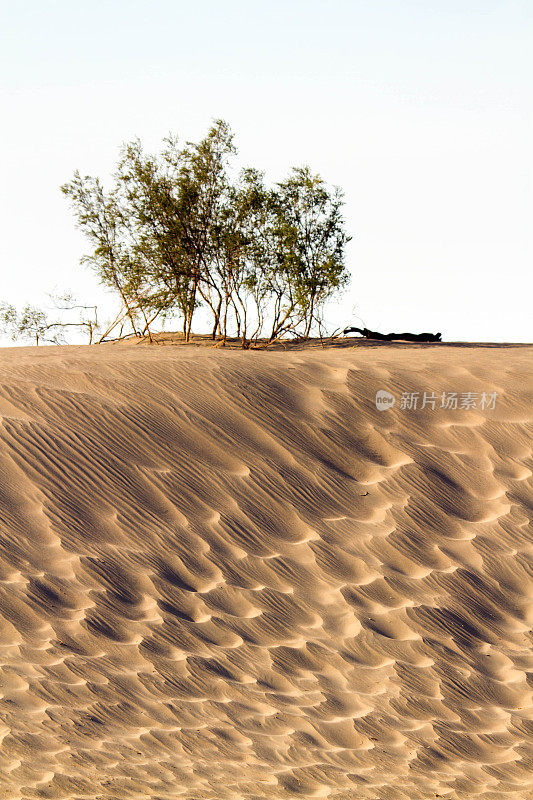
x: 390, y: 337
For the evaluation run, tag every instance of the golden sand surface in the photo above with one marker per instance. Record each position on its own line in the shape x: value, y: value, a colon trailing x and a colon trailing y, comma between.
x: 228, y: 575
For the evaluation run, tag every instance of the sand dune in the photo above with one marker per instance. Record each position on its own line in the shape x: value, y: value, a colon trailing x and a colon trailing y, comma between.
x: 229, y: 575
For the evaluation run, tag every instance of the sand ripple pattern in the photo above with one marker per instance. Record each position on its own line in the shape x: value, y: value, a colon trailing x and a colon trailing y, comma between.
x: 227, y: 575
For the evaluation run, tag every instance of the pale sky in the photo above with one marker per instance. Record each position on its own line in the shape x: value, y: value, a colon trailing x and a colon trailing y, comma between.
x: 419, y: 109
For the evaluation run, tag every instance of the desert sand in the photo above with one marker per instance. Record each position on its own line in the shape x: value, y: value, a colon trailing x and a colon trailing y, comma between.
x: 227, y: 574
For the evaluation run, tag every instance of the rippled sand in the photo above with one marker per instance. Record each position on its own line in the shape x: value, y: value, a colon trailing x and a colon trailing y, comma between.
x: 228, y: 575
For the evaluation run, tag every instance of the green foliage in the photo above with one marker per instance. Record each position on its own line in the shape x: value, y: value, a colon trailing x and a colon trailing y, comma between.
x: 309, y: 229
x: 34, y: 324
x: 178, y: 230
x: 28, y: 325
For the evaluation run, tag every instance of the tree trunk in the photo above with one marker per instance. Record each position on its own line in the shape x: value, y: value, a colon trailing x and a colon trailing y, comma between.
x: 216, y: 324
x: 225, y: 329
x: 146, y: 327
x: 126, y: 305
x: 280, y: 324
x: 275, y: 320
x: 190, y: 310
x: 311, y: 315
